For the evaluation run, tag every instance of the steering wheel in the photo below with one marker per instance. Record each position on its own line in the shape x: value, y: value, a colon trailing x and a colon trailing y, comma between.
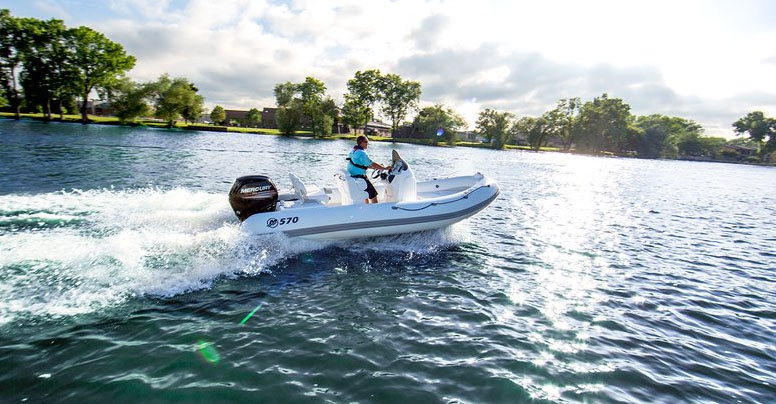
x: 376, y: 174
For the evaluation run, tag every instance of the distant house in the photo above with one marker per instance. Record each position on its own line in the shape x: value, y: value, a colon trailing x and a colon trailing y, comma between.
x: 375, y: 128
x: 339, y: 128
x: 741, y: 151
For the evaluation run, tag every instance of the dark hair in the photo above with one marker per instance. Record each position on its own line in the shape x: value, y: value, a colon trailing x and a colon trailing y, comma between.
x: 360, y: 139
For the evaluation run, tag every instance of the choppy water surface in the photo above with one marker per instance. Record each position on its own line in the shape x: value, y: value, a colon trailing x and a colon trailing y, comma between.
x: 124, y: 277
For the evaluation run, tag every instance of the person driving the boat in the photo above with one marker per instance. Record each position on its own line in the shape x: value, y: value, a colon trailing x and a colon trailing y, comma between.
x: 359, y: 162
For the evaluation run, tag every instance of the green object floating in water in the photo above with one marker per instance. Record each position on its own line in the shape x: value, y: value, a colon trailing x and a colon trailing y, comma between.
x: 208, y: 351
x: 250, y: 314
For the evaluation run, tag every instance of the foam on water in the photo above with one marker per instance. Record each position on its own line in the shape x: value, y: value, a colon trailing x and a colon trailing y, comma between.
x: 69, y: 253
x: 76, y: 252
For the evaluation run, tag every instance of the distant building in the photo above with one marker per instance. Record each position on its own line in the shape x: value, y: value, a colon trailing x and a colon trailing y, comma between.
x: 375, y: 128
x: 268, y: 119
x: 235, y: 117
x: 741, y: 151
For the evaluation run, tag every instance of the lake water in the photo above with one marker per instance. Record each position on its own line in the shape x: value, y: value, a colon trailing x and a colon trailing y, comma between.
x: 124, y: 277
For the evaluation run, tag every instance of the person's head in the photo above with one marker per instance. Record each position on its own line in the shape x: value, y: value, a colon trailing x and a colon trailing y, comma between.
x: 362, y: 141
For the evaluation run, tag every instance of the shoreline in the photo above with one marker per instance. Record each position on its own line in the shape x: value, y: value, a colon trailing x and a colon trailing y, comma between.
x: 113, y: 121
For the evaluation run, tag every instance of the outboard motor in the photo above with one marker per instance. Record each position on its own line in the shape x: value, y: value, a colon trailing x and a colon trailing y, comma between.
x: 253, y: 194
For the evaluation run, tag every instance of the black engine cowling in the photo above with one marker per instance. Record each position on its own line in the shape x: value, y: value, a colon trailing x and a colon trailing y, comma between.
x: 253, y: 194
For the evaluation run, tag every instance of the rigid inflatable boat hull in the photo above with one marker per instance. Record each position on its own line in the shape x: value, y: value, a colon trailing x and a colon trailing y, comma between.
x: 319, y: 221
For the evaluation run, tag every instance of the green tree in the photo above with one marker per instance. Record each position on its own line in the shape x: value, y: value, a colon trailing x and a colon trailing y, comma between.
x: 44, y: 61
x: 496, y: 127
x: 289, y: 113
x: 501, y: 130
x: 329, y: 107
x: 218, y: 115
x: 656, y: 129
x: 561, y: 120
x: 312, y: 92
x: 684, y: 137
x: 194, y: 105
x: 285, y: 93
x: 438, y: 119
x: 485, y: 123
x: 666, y: 136
x: 37, y: 57
x: 323, y: 115
x: 288, y: 118
x: 604, y: 125
x: 96, y: 61
x: 306, y: 99
x: 176, y: 98
x: 321, y: 123
x: 690, y: 145
x: 354, y: 113
x: 760, y: 129
x: 712, y: 146
x: 12, y: 44
x: 535, y: 130
x: 129, y: 100
x: 253, y: 118
x: 399, y: 97
x: 363, y: 93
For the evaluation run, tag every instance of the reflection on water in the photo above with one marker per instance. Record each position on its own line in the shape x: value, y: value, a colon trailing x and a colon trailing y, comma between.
x: 579, y: 196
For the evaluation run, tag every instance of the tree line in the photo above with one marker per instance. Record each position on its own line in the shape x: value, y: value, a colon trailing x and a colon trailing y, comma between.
x: 45, y: 66
x: 601, y: 125
x: 605, y: 124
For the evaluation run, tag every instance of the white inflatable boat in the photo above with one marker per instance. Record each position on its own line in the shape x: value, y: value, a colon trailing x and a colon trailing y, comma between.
x: 341, y: 212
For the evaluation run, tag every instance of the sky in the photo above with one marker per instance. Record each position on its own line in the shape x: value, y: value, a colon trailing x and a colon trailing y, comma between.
x: 709, y: 61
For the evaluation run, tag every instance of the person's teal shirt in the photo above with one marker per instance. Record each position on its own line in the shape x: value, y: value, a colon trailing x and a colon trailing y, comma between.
x: 359, y: 156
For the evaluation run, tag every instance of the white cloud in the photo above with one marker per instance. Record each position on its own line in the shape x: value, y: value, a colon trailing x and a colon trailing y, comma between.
x: 52, y: 9
x: 707, y: 61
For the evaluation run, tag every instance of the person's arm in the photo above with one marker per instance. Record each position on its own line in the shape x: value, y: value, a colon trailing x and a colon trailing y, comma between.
x: 368, y: 161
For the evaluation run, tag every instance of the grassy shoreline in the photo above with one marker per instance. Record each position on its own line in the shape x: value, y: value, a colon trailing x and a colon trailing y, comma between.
x: 100, y: 120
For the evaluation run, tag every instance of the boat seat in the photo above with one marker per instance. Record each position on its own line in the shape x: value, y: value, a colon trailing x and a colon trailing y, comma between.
x: 352, y: 189
x: 307, y: 193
